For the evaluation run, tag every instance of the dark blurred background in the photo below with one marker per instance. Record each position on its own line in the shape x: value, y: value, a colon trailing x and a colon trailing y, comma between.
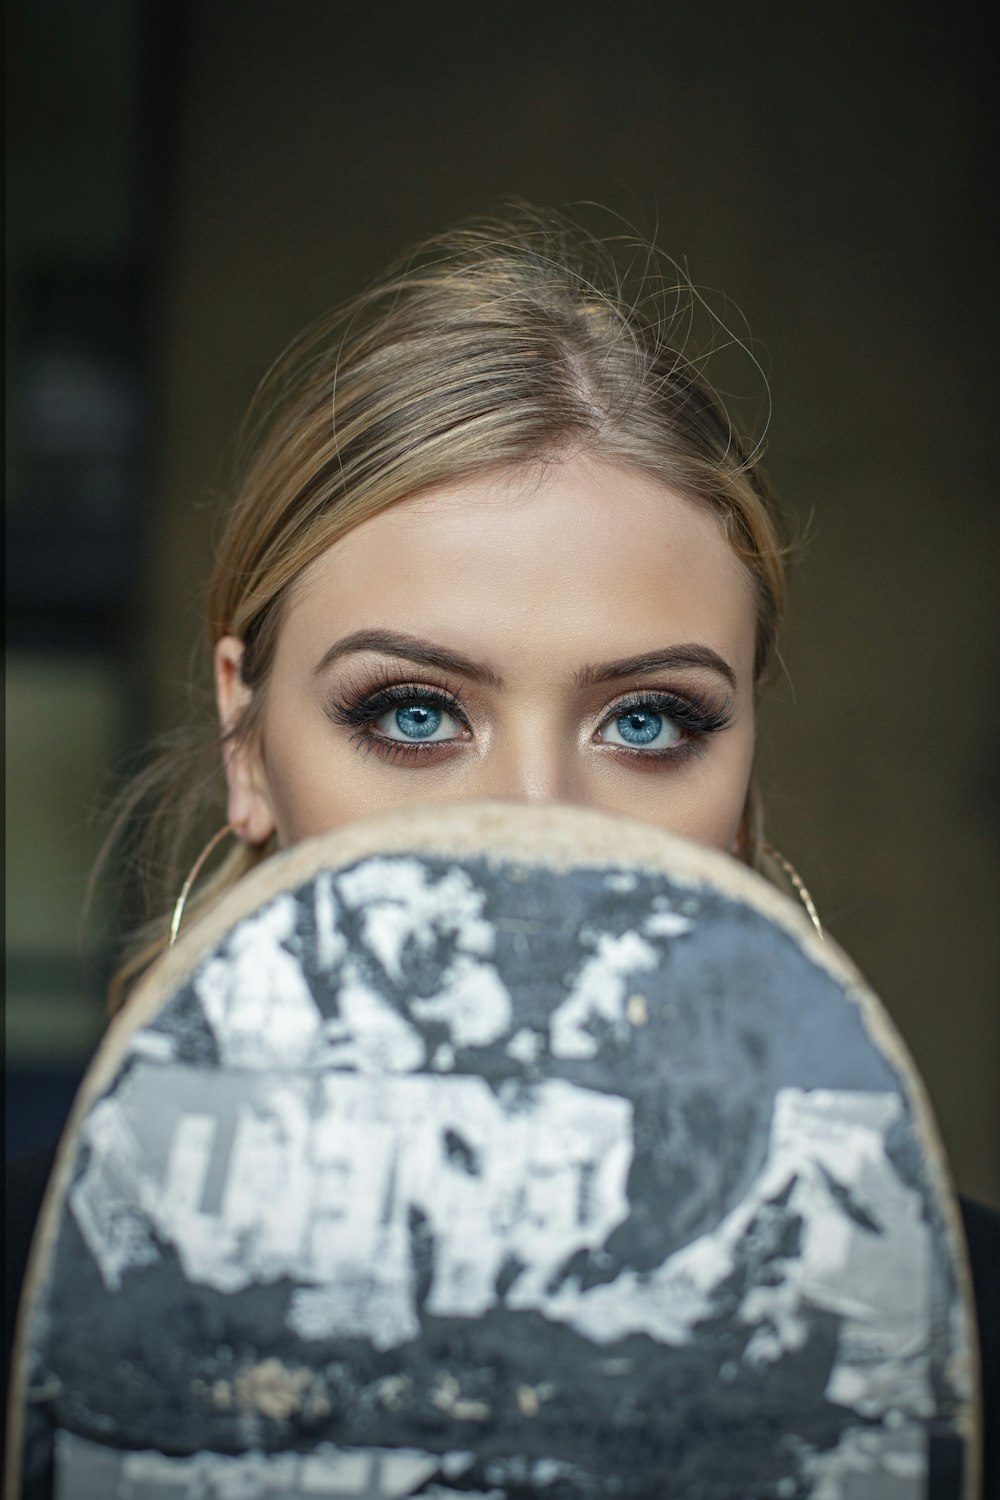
x: 190, y: 184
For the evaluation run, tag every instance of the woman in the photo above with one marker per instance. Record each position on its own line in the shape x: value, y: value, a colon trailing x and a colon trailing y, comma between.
x: 497, y: 539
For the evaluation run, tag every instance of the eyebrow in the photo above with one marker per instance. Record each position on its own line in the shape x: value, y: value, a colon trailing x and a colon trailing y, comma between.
x: 671, y: 658
x: 410, y: 648
x: 427, y: 654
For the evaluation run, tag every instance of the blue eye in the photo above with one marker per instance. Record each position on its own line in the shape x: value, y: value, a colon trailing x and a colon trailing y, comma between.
x: 641, y: 729
x: 417, y: 721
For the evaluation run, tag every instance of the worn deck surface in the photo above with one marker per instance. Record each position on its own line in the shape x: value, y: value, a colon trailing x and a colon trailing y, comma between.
x: 520, y: 1154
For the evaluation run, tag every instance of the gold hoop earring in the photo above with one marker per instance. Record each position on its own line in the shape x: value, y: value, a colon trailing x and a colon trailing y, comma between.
x: 798, y: 885
x: 181, y: 902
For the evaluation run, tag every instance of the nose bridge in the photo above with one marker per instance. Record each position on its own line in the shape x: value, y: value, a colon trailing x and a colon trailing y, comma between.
x: 534, y: 760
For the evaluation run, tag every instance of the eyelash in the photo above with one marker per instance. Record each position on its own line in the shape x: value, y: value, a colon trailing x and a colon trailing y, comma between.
x: 698, y: 718
x: 376, y: 698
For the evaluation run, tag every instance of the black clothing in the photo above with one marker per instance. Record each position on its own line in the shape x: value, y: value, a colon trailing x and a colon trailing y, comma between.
x: 27, y: 1177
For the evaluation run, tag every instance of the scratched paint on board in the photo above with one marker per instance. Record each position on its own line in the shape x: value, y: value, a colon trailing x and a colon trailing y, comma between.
x: 260, y: 1004
x: 98, y: 1473
x: 889, y: 1467
x: 333, y: 1172
x: 558, y: 1168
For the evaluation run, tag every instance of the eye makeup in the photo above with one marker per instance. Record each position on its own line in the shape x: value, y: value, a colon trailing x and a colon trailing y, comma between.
x: 696, y: 715
x: 697, y: 718
x: 360, y: 707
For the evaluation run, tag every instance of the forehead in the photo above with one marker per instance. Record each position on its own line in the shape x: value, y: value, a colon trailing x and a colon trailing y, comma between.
x: 580, y: 555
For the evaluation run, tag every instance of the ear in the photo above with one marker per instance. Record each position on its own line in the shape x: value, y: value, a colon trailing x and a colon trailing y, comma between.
x: 249, y: 804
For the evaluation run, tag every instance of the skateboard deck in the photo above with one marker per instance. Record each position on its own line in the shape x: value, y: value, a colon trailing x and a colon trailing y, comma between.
x: 499, y: 1151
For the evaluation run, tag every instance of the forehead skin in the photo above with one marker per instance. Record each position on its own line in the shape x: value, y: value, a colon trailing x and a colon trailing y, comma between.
x: 583, y: 534
x: 536, y: 577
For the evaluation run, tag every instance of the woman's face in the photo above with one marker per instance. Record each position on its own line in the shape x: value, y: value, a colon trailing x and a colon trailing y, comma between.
x: 586, y: 637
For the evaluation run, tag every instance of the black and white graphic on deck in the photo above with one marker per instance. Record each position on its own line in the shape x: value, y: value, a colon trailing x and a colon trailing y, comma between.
x: 446, y: 1179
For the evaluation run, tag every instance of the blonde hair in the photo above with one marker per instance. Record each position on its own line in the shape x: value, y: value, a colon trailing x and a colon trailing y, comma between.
x: 497, y: 346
